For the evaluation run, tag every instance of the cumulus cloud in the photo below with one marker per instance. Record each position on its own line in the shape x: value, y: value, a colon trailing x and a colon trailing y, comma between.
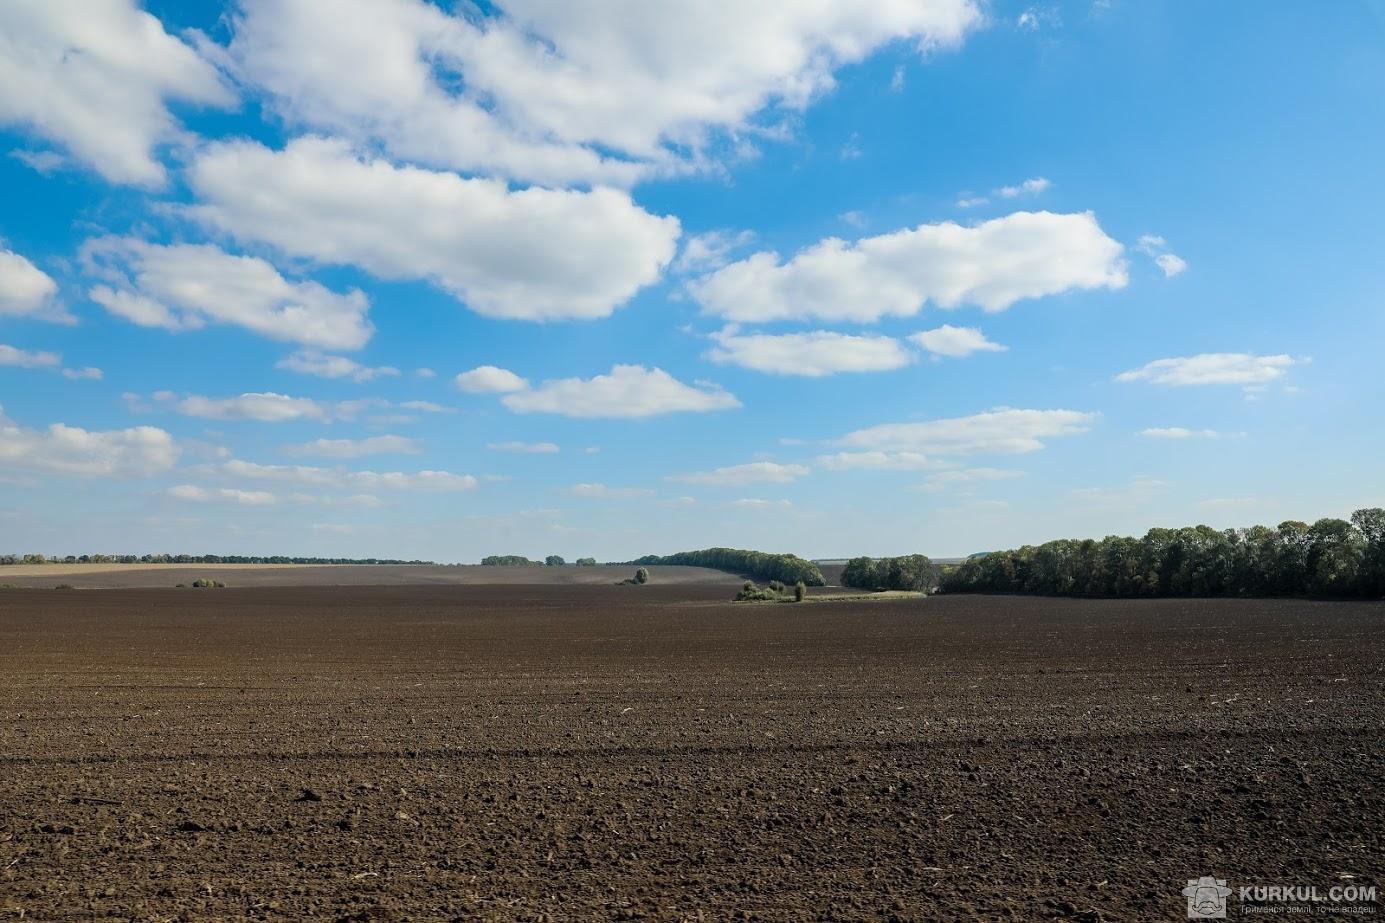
x: 140, y: 451
x: 603, y: 491
x: 530, y: 254
x: 89, y: 373
x: 628, y: 391
x: 26, y: 359
x: 1212, y: 369
x: 26, y: 290
x: 342, y: 478
x: 95, y: 78
x: 955, y: 342
x: 1001, y: 431
x: 1178, y: 432
x: 184, y: 287
x: 561, y: 92
x: 811, y: 355
x: 489, y: 379
x: 1030, y: 187
x: 194, y: 494
x: 356, y: 448
x: 312, y: 362
x: 991, y: 265
x: 750, y: 473
x: 1155, y: 247
x: 530, y: 448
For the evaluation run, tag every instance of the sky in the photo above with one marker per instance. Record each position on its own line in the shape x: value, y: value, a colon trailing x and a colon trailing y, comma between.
x: 399, y: 279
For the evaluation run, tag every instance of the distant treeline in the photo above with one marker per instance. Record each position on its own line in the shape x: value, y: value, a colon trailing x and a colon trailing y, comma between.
x: 190, y: 559
x: 519, y: 560
x: 910, y: 572
x: 1331, y: 557
x: 786, y: 568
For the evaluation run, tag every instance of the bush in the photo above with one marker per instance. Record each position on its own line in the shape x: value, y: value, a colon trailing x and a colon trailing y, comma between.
x: 585, y: 562
x: 554, y: 560
x: 642, y: 576
x: 751, y: 593
x: 758, y: 565
x: 800, y: 591
x: 207, y: 583
x: 64, y: 586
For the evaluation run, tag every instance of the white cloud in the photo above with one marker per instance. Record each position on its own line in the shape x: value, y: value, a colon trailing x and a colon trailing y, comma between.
x: 44, y: 162
x: 812, y: 355
x: 89, y: 373
x: 342, y: 478
x: 955, y: 342
x: 1029, y: 187
x: 1169, y: 263
x: 603, y: 491
x: 425, y: 373
x: 1212, y: 369
x: 95, y: 77
x: 531, y: 448
x: 710, y: 250
x: 489, y: 379
x: 1137, y: 492
x: 991, y: 265
x: 195, y: 494
x: 356, y: 448
x: 1001, y: 431
x: 876, y: 461
x: 750, y: 473
x: 757, y: 503
x: 628, y: 391
x: 312, y: 362
x: 267, y: 407
x: 27, y: 291
x: 26, y: 359
x: 184, y: 286
x: 561, y: 92
x: 530, y: 254
x: 1178, y: 432
x: 140, y: 451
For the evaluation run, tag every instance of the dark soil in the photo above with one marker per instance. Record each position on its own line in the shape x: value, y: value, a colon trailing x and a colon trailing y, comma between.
x: 602, y: 752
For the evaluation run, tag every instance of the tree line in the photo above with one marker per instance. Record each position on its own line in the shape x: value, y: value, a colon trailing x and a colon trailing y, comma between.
x: 519, y: 560
x: 190, y: 559
x: 909, y: 572
x: 1331, y: 557
x: 786, y: 568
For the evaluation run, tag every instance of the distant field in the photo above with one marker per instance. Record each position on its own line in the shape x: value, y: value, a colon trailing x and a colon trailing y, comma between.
x: 111, y: 576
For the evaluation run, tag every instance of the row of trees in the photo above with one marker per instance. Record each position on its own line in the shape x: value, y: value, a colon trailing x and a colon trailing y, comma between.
x: 1331, y: 557
x: 909, y: 572
x: 786, y: 568
x: 189, y: 559
x: 519, y: 560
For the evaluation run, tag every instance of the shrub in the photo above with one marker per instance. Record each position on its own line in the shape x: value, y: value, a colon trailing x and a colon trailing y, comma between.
x: 800, y: 591
x: 751, y: 593
x: 207, y: 583
x: 64, y: 586
x: 554, y: 560
x: 642, y: 576
x: 585, y: 562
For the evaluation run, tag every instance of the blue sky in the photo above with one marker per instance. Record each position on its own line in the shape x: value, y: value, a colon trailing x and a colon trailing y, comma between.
x: 867, y: 277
